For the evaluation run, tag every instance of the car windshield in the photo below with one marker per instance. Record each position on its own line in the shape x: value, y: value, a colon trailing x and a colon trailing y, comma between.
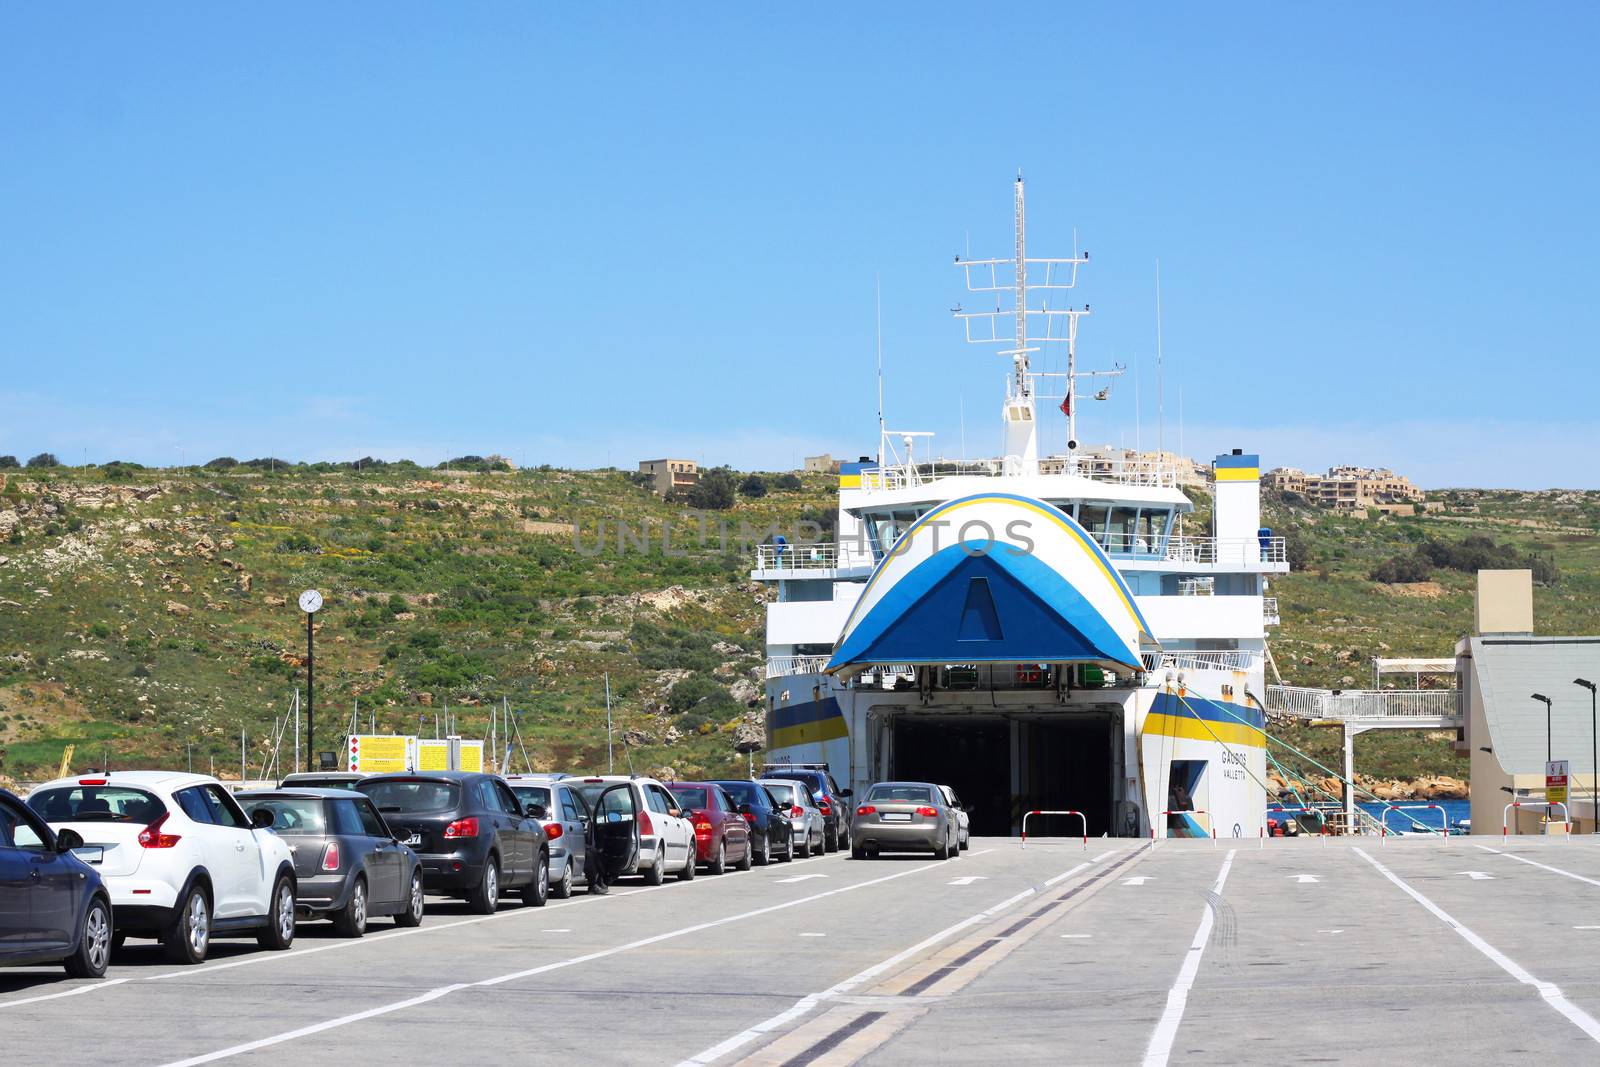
x: 782, y: 792
x: 97, y: 803
x: 533, y: 794
x: 691, y: 796
x: 411, y: 794
x: 290, y: 815
x: 902, y: 794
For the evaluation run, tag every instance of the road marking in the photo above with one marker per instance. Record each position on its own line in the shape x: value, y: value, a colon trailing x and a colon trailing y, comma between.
x: 813, y: 935
x: 1137, y: 880
x: 1477, y: 876
x: 1586, y: 927
x: 63, y: 993
x: 1304, y: 878
x: 1160, y: 1047
x: 968, y: 880
x: 557, y: 930
x: 434, y: 994
x: 1074, y: 936
x: 805, y: 1004
x: 1544, y: 866
x: 799, y: 878
x: 1548, y: 990
x: 1330, y: 931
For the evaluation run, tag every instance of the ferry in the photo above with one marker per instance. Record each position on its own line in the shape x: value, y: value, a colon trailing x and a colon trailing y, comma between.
x: 1043, y: 633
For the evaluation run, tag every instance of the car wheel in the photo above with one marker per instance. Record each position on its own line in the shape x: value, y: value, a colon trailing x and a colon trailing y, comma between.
x: 485, y: 896
x: 857, y: 852
x: 844, y: 838
x: 748, y: 859
x: 351, y: 920
x: 189, y: 935
x: 830, y: 842
x: 278, y: 934
x: 94, y: 942
x: 955, y: 846
x: 943, y: 851
x: 719, y: 862
x: 788, y: 848
x: 563, y: 889
x: 412, y: 915
x: 966, y: 840
x: 657, y: 871
x: 805, y: 848
x: 688, y: 872
x: 764, y: 857
x: 536, y: 892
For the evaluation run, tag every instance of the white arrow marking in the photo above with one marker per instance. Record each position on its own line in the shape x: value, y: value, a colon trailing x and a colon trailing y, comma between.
x: 1477, y: 876
x: 1304, y: 878
x: 1137, y: 880
x: 799, y: 878
x: 968, y: 880
x: 1077, y: 935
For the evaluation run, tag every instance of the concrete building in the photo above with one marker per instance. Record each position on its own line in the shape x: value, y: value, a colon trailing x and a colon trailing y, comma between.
x: 1509, y: 733
x: 1109, y: 461
x: 668, y: 475
x: 823, y: 464
x: 1347, y: 488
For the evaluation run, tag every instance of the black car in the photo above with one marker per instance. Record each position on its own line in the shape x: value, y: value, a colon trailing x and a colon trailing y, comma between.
x: 321, y: 780
x: 474, y: 837
x: 53, y: 906
x: 348, y: 866
x: 830, y: 799
x: 770, y: 832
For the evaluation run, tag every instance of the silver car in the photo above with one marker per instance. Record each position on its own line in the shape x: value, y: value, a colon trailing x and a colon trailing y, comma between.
x: 806, y: 823
x: 904, y: 817
x: 565, y: 821
x: 959, y: 810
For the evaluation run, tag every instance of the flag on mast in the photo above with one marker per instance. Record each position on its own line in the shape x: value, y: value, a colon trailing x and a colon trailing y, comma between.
x: 1066, y: 404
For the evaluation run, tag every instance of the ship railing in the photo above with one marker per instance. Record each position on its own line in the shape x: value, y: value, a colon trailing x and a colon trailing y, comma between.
x: 811, y: 556
x: 1356, y: 704
x: 1230, y: 660
x: 1116, y: 471
x: 1240, y: 550
x: 783, y: 666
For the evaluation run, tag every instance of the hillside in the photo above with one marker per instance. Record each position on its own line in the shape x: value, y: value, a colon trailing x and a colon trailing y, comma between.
x: 149, y: 615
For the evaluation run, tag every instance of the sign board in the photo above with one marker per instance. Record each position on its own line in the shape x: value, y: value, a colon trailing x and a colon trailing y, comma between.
x: 1555, y: 781
x: 471, y: 756
x: 433, y: 755
x: 379, y: 753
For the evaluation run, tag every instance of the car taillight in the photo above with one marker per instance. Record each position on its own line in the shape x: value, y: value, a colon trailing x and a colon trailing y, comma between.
x: 797, y: 811
x: 553, y: 831
x: 152, y: 837
x: 702, y: 828
x: 467, y: 827
x: 866, y: 809
x: 750, y: 816
x: 929, y: 812
x: 645, y: 825
x: 822, y: 806
x: 330, y: 856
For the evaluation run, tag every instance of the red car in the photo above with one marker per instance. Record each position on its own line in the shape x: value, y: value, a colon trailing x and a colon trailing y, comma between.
x: 721, y: 836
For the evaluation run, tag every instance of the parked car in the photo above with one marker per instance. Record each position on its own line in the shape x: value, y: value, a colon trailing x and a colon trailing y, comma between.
x: 904, y: 817
x: 833, y: 802
x: 54, y: 908
x: 665, y: 838
x: 347, y: 863
x: 721, y: 836
x: 953, y: 804
x: 475, y: 839
x: 321, y: 780
x: 181, y: 860
x: 805, y: 818
x: 564, y: 821
x: 769, y: 824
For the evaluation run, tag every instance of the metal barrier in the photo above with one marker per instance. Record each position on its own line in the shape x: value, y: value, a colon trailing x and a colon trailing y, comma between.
x: 1505, y: 816
x: 1383, y: 822
x: 1209, y: 821
x: 1280, y: 809
x: 1082, y: 821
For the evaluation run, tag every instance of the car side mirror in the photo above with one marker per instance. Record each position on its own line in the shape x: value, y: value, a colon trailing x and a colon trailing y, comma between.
x: 536, y: 811
x: 261, y: 819
x: 67, y: 840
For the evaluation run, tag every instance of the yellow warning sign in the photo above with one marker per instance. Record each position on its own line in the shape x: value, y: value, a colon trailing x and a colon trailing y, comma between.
x: 472, y: 755
x: 433, y: 755
x: 379, y: 753
x: 1555, y: 781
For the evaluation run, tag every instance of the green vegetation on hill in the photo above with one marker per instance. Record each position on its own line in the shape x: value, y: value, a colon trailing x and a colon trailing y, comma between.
x: 150, y: 614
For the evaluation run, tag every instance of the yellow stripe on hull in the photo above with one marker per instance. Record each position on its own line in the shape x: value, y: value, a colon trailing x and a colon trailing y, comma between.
x: 1189, y: 728
x: 811, y: 733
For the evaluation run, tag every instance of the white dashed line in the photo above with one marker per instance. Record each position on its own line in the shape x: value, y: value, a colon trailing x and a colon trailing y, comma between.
x: 1160, y: 1047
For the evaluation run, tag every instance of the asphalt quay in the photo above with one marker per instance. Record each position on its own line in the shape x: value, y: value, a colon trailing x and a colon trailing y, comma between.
x: 1320, y: 950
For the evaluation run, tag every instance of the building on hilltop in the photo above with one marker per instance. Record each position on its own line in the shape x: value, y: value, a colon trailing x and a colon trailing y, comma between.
x: 667, y: 475
x: 1348, y: 488
x: 823, y: 464
x: 1109, y: 461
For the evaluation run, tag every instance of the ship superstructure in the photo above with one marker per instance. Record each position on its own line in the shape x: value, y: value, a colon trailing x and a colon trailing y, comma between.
x: 1041, y: 632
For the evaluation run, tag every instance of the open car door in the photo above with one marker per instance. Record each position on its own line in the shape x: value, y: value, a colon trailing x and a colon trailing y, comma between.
x: 614, y: 831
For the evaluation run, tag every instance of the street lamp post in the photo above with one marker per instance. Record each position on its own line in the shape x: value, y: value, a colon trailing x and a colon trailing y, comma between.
x: 1548, y: 756
x: 1594, y: 755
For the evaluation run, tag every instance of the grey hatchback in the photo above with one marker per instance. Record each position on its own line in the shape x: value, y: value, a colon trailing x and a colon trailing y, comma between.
x: 347, y: 863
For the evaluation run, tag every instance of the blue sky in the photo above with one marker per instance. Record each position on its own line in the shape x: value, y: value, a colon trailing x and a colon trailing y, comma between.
x: 580, y: 238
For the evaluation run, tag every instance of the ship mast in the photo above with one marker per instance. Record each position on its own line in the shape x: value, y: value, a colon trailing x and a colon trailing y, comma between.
x: 1049, y: 325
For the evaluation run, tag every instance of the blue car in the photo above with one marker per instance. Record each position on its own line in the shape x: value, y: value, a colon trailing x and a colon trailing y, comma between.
x: 53, y: 906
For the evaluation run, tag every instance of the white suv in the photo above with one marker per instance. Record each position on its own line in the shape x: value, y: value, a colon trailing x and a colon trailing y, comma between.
x: 179, y: 856
x: 666, y: 837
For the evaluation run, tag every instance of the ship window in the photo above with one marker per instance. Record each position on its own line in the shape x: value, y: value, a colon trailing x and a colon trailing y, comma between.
x: 1092, y: 517
x: 1152, y: 527
x: 1120, y: 529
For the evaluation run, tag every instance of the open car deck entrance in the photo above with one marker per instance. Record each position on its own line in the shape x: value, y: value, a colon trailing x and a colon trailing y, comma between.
x: 1003, y: 765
